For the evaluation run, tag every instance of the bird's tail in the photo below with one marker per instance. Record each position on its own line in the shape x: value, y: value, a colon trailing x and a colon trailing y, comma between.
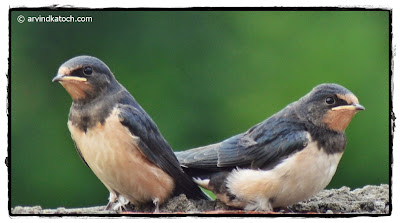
x: 186, y: 185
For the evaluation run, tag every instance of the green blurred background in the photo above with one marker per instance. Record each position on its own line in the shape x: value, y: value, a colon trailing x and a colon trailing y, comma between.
x: 202, y: 76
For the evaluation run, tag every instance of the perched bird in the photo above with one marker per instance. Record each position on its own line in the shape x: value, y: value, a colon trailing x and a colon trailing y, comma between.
x: 285, y: 159
x: 118, y: 140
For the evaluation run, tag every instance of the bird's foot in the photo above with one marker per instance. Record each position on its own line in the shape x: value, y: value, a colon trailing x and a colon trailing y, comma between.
x: 286, y: 210
x: 156, y: 202
x: 121, y: 204
x: 111, y: 200
x: 259, y: 205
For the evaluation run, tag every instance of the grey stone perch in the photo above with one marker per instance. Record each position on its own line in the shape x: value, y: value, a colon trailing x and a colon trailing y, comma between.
x: 367, y: 200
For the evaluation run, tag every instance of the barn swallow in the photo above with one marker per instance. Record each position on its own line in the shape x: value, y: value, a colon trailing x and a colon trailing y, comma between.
x: 118, y: 140
x: 285, y: 159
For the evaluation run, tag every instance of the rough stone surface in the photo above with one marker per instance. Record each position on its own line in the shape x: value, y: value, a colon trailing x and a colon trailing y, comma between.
x: 366, y: 200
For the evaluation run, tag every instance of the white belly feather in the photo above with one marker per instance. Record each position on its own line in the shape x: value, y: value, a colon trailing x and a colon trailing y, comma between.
x: 295, y: 179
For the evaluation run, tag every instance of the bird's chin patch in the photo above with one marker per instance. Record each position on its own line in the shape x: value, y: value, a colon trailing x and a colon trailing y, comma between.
x: 77, y: 89
x: 338, y: 120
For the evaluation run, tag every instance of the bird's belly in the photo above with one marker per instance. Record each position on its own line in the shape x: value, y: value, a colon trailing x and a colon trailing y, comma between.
x: 112, y: 154
x: 295, y: 179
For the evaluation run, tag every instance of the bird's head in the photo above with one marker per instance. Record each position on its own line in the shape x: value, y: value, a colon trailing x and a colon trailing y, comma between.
x: 84, y: 78
x: 330, y: 106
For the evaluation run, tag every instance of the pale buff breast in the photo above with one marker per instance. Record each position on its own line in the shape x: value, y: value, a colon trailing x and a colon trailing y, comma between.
x: 295, y: 179
x: 111, y: 152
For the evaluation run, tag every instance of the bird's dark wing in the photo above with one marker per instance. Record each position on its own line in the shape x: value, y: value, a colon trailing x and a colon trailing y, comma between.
x: 79, y: 152
x: 155, y: 148
x: 262, y: 146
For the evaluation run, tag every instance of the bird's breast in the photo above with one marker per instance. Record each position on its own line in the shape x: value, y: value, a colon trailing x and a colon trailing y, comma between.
x: 112, y: 153
x: 296, y: 178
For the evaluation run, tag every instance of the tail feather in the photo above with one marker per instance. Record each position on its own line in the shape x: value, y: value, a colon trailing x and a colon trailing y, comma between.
x: 187, y: 186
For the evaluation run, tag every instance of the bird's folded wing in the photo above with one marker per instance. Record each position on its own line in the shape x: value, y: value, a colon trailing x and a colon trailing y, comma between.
x: 150, y: 141
x: 155, y: 148
x: 80, y: 153
x: 263, y: 146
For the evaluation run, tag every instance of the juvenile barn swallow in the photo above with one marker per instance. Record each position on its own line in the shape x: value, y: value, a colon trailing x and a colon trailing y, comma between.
x: 118, y: 140
x: 283, y: 160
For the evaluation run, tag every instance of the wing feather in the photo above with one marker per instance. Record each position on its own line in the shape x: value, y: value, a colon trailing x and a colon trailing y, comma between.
x: 155, y: 147
x: 262, y: 146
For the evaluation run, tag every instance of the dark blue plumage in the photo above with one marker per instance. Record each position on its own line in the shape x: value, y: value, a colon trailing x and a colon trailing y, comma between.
x: 261, y: 147
x: 153, y: 145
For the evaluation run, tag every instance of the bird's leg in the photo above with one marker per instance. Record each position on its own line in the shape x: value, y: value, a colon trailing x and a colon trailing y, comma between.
x: 286, y: 209
x: 259, y: 205
x: 111, y: 200
x: 121, y: 204
x: 156, y: 202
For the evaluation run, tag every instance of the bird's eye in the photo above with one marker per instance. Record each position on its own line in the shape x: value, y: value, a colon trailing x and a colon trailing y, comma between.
x: 87, y: 71
x: 330, y: 100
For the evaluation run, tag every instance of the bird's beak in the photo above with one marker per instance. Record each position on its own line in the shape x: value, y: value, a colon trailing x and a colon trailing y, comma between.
x: 356, y: 107
x: 62, y: 77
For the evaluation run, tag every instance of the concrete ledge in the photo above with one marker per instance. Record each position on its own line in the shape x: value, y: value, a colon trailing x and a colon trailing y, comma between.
x: 367, y: 200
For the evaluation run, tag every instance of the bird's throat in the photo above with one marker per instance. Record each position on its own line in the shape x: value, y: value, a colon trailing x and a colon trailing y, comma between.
x: 77, y: 90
